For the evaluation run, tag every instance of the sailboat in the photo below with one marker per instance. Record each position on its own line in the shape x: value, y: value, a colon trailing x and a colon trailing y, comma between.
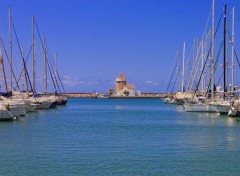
x: 223, y: 105
x: 5, y: 114
x: 214, y: 104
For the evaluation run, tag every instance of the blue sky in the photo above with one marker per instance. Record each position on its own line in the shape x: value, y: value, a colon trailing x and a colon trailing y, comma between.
x: 96, y: 40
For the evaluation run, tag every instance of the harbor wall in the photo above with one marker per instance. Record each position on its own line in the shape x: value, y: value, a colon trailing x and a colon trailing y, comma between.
x: 143, y: 95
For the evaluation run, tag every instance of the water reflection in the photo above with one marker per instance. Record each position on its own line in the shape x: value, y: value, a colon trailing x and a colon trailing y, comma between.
x: 118, y: 107
x: 180, y: 108
x: 213, y: 118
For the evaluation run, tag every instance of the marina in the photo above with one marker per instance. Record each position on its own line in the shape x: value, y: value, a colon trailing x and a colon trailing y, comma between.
x: 120, y: 88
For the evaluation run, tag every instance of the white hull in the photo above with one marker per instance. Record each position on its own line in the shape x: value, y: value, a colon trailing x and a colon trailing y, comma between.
x: 167, y: 100
x: 61, y: 100
x: 5, y: 115
x: 44, y: 105
x: 31, y: 107
x: 43, y: 102
x: 15, y: 106
x: 102, y: 97
x: 235, y: 109
x: 176, y: 101
x: 223, y: 108
x: 234, y: 112
x: 17, y: 110
x: 199, y: 108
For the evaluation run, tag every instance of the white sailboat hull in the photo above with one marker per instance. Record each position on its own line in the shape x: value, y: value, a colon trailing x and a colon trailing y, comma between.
x: 45, y: 105
x: 5, y: 115
x: 199, y: 108
x: 223, y: 108
x: 234, y: 112
x: 17, y: 110
x: 31, y: 107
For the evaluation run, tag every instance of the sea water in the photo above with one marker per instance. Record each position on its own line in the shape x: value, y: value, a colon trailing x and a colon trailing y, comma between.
x: 120, y: 137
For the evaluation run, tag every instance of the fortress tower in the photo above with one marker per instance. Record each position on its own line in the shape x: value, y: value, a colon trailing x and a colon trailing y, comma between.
x: 121, y: 82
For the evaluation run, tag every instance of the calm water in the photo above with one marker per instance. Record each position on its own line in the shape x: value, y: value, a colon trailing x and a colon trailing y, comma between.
x: 120, y: 137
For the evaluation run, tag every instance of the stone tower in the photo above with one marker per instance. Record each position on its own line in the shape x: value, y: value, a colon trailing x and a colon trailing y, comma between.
x: 121, y: 81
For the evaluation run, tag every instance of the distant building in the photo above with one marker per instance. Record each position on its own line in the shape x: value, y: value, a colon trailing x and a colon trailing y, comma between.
x: 122, y: 89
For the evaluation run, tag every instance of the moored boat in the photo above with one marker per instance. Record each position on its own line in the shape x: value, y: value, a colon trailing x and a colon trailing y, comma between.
x: 5, y: 115
x: 199, y: 107
x: 222, y: 107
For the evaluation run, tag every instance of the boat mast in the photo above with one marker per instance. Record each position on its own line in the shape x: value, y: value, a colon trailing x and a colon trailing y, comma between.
x: 3, y: 69
x: 25, y: 74
x: 194, y: 49
x: 55, y: 67
x: 45, y: 66
x: 55, y: 74
x: 10, y: 45
x: 233, y: 35
x: 225, y: 52
x: 183, y: 70
x: 197, y: 57
x: 212, y: 55
x: 178, y: 63
x: 33, y: 56
x: 202, y: 58
x: 226, y: 60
